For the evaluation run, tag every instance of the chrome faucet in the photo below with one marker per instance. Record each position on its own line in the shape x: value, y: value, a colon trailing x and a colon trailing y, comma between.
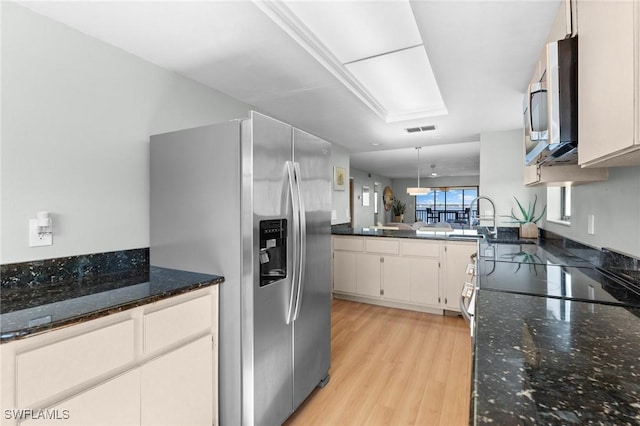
x: 493, y: 233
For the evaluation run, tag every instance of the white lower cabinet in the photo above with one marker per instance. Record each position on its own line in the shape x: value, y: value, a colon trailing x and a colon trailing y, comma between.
x: 344, y: 271
x: 368, y: 274
x: 397, y: 278
x: 176, y: 388
x: 411, y: 279
x: 114, y: 403
x: 151, y: 365
x: 419, y: 274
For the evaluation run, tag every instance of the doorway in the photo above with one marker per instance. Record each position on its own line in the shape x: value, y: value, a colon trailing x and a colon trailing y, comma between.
x: 351, y: 194
x: 376, y: 202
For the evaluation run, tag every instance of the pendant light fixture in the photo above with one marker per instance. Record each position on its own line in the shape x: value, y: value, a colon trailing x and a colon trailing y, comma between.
x: 417, y: 190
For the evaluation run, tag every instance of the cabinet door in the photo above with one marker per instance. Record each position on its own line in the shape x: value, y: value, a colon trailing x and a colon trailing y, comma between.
x: 456, y: 258
x: 424, y: 280
x: 113, y: 403
x: 606, y: 52
x: 396, y: 278
x: 344, y: 271
x: 411, y: 279
x: 368, y: 275
x: 177, y: 388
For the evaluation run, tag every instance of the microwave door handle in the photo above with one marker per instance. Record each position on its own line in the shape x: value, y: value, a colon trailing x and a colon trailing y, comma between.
x: 303, y: 241
x: 296, y: 230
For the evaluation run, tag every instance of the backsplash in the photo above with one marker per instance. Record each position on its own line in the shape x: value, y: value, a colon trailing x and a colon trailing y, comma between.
x: 622, y: 265
x: 50, y: 280
x: 74, y: 268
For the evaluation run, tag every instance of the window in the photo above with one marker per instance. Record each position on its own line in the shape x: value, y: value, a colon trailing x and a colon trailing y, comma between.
x: 559, y: 204
x: 565, y: 203
x: 445, y: 204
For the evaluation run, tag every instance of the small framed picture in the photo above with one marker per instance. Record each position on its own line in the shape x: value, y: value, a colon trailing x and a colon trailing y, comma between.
x: 339, y: 179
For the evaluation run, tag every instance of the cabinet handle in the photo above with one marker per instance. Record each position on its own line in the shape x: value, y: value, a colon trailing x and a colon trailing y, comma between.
x: 438, y: 300
x: 445, y: 300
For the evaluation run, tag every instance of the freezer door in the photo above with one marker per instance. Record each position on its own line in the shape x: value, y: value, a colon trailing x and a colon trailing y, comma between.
x: 267, y: 338
x: 312, y: 325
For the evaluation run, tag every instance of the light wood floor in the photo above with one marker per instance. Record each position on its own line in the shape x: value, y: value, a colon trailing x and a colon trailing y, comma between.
x: 392, y: 367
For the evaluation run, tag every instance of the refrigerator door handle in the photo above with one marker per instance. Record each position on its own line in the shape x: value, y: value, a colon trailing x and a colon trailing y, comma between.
x: 303, y: 241
x: 296, y: 232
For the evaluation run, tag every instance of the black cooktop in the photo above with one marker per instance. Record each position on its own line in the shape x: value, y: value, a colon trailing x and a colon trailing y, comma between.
x: 530, y: 253
x: 556, y: 281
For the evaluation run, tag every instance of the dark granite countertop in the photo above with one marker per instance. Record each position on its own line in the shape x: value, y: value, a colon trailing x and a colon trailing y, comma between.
x: 550, y: 361
x: 30, y: 309
x: 458, y: 235
x: 506, y: 235
x: 557, y: 335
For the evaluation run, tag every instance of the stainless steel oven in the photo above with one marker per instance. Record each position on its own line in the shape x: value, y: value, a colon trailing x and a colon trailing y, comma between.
x: 468, y: 295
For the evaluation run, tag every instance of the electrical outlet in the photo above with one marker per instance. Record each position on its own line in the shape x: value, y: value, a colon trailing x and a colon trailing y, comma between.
x: 37, y: 239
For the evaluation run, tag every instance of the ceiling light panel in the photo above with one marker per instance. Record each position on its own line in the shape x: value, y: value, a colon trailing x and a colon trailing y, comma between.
x: 374, y: 48
x: 403, y: 82
x: 354, y: 30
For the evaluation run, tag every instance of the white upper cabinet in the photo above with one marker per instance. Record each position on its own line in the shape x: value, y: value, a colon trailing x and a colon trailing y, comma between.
x: 608, y: 82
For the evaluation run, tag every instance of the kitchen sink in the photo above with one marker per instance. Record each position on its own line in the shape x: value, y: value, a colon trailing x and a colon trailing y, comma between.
x: 470, y: 237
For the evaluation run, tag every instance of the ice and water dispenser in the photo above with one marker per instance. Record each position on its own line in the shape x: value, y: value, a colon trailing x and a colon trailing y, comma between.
x: 273, y: 251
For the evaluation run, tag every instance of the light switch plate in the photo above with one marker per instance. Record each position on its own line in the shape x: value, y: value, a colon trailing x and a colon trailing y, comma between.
x: 36, y: 240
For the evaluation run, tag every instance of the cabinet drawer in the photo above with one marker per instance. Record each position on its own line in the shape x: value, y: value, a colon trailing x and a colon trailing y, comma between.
x: 427, y: 249
x: 170, y: 325
x: 348, y: 244
x: 48, y: 370
x: 380, y: 245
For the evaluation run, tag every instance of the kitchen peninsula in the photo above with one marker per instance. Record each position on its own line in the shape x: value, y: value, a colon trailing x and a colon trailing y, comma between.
x: 421, y: 271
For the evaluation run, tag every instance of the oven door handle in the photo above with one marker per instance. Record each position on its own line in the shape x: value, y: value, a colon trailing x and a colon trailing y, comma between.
x: 463, y: 309
x: 467, y: 294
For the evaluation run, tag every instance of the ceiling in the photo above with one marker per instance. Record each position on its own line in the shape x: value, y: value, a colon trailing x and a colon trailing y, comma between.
x: 482, y: 54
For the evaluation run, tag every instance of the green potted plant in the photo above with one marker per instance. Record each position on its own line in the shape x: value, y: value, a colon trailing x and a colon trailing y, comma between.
x: 528, y: 227
x: 399, y: 209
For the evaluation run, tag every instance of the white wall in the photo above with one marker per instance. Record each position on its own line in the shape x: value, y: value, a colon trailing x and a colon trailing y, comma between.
x: 76, y: 119
x: 501, y: 167
x: 340, y: 199
x: 400, y: 189
x: 615, y: 205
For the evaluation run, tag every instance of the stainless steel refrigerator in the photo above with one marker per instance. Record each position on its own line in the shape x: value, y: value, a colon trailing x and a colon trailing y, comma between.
x: 251, y: 199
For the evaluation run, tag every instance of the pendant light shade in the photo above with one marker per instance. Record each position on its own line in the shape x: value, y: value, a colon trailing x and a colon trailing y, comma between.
x: 418, y: 190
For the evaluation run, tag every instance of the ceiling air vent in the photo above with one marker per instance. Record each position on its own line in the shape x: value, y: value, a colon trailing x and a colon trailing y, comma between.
x: 420, y: 129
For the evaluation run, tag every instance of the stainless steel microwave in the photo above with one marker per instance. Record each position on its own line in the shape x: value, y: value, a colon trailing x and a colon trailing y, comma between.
x: 551, y: 108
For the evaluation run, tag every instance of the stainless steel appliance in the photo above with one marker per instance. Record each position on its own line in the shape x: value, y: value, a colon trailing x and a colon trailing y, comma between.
x: 468, y: 295
x: 551, y: 108
x: 250, y: 199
